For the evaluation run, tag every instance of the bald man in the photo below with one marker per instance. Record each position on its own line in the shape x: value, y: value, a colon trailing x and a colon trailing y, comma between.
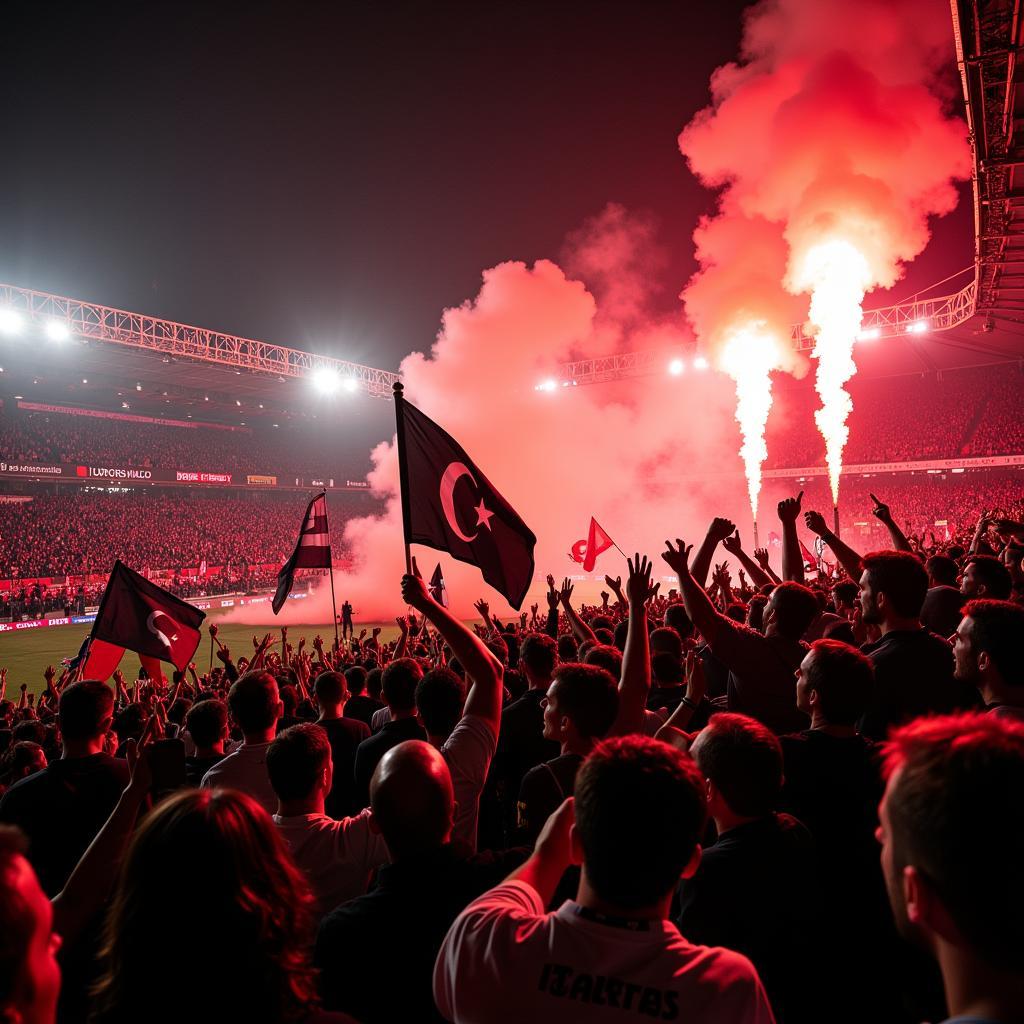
x: 399, y: 926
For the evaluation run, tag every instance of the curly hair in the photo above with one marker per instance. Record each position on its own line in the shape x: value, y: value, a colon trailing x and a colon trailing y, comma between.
x: 208, y: 896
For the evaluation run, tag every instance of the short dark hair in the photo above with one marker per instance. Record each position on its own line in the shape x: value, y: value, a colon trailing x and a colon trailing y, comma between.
x: 666, y: 669
x: 676, y: 617
x: 843, y: 678
x: 640, y: 812
x: 589, y: 697
x: 355, y: 677
x: 440, y: 695
x: 399, y: 683
x: 84, y: 708
x: 997, y: 627
x: 178, y: 710
x: 846, y: 591
x: 795, y: 608
x: 253, y: 700
x: 568, y: 649
x: 538, y: 653
x: 942, y: 569
x: 744, y: 760
x: 17, y: 922
x: 666, y: 639
x: 374, y: 682
x: 962, y: 776
x: 901, y: 577
x: 605, y: 656
x: 295, y: 760
x: 996, y: 577
x: 206, y: 722
x: 330, y: 687
x: 605, y: 637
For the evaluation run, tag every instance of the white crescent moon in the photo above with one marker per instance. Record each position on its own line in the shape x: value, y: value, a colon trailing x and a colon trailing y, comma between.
x: 449, y: 479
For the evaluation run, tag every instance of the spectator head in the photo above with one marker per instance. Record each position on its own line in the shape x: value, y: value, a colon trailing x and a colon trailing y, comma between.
x: 178, y: 710
x: 567, y: 648
x: 755, y: 612
x: 893, y: 586
x: 355, y: 680
x: 742, y: 762
x: 299, y: 764
x: 412, y: 799
x: 581, y: 704
x: 605, y: 637
x: 989, y: 649
x: 602, y: 622
x: 29, y: 975
x: 666, y: 669
x: 790, y: 610
x: 399, y: 685
x: 665, y: 639
x: 248, y: 887
x: 537, y: 657
x: 22, y: 759
x: 605, y: 656
x: 841, y: 631
x: 440, y: 696
x: 833, y: 683
x: 85, y: 710
x: 675, y: 616
x: 947, y: 888
x: 956, y: 552
x: 289, y: 698
x: 255, y: 703
x: 331, y: 689
x: 844, y: 595
x: 942, y: 571
x: 374, y: 683
x: 207, y: 723
x: 130, y: 722
x: 986, y: 576
x: 640, y: 812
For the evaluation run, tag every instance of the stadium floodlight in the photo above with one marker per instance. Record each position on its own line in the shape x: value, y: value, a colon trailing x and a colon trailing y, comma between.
x: 326, y: 380
x: 871, y: 334
x: 350, y: 384
x: 57, y: 331
x: 546, y: 385
x: 917, y: 327
x: 676, y: 367
x: 10, y: 321
x: 700, y: 363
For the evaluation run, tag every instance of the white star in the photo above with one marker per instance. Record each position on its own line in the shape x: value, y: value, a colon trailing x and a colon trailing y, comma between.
x: 483, y: 515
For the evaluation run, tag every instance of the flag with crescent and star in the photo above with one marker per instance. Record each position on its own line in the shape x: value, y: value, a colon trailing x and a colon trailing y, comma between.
x: 451, y: 506
x: 312, y: 549
x: 139, y: 616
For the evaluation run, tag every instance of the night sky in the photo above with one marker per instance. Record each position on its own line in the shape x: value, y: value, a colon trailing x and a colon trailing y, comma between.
x: 333, y: 176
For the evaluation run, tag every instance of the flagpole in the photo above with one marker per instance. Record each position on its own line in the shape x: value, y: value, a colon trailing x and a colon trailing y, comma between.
x: 99, y: 613
x: 330, y: 571
x: 403, y: 469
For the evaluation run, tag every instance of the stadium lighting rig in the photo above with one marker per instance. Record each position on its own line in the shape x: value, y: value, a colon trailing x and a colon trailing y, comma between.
x: 10, y: 321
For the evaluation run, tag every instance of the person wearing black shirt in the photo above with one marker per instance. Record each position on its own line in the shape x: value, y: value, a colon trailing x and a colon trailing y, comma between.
x: 360, y: 705
x: 989, y: 653
x: 344, y: 735
x: 755, y: 890
x: 207, y: 723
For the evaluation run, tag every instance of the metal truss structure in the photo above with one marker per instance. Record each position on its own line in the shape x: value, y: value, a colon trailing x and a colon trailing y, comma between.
x: 988, y: 42
x: 91, y: 322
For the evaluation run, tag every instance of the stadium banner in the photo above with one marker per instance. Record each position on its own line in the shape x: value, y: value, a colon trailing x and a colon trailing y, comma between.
x: 99, y: 414
x: 267, y: 481
x: 927, y: 465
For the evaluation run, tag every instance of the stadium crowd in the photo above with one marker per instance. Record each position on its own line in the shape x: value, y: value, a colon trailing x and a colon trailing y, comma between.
x: 714, y: 804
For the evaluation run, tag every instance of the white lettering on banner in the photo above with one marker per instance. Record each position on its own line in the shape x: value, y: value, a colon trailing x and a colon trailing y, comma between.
x: 356, y: 483
x: 987, y: 462
x: 227, y: 604
x: 30, y: 470
x: 114, y: 473
x: 195, y: 477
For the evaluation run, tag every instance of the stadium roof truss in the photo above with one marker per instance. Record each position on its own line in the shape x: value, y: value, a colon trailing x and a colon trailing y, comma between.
x: 92, y: 322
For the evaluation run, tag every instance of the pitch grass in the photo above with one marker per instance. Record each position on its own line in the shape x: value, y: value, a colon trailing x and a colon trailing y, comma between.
x: 26, y: 654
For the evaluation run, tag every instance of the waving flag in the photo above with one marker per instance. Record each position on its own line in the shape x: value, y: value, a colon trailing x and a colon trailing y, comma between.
x: 312, y: 549
x: 448, y: 504
x: 437, y: 588
x: 586, y: 551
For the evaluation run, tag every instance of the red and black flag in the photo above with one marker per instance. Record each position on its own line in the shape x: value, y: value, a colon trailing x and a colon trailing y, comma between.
x: 437, y: 588
x: 312, y: 549
x: 140, y: 616
x: 448, y: 504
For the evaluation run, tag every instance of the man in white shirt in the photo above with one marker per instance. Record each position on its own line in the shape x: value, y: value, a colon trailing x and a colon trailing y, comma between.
x: 256, y: 706
x: 466, y: 733
x: 635, y: 825
x: 338, y: 857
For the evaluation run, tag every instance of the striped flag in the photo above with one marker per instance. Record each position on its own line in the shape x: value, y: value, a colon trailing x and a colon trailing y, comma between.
x: 312, y: 549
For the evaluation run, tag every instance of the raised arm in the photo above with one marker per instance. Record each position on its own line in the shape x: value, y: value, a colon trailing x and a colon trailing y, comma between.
x: 792, y: 559
x: 884, y: 516
x: 717, y: 532
x: 848, y: 558
x: 482, y: 667
x: 635, y: 683
x: 703, y: 614
x: 579, y: 628
x: 551, y: 626
x: 735, y: 547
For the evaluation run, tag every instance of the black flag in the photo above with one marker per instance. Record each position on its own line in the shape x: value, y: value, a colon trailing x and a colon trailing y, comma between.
x: 312, y: 549
x: 437, y: 588
x: 449, y: 504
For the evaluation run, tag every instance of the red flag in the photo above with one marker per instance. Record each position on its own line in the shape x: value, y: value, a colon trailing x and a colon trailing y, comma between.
x: 809, y: 559
x: 312, y: 549
x: 101, y: 660
x: 142, y: 617
x: 597, y: 541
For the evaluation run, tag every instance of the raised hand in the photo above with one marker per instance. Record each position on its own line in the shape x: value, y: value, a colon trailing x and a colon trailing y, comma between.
x: 881, y: 510
x: 605, y: 597
x: 414, y: 591
x: 213, y: 629
x: 761, y: 557
x: 565, y: 592
x: 403, y: 624
x: 482, y: 607
x: 639, y: 589
x: 732, y: 544
x: 552, y: 594
x: 815, y: 522
x: 376, y: 632
x: 720, y: 528
x: 522, y: 620
x: 789, y: 508
x: 362, y: 634
x: 678, y: 558
x: 695, y: 682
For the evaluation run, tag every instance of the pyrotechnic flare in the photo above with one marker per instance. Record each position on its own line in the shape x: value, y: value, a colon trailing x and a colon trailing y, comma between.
x: 837, y: 276
x: 749, y: 356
